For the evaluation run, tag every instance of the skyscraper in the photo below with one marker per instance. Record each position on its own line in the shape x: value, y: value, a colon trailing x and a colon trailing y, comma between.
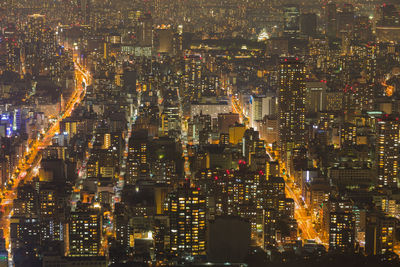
x: 39, y: 45
x: 390, y: 15
x: 380, y: 234
x: 308, y: 24
x: 341, y: 231
x: 331, y: 23
x: 85, y: 233
x: 137, y: 162
x: 291, y: 16
x: 146, y: 30
x: 387, y: 151
x: 291, y: 106
x: 187, y: 213
x: 84, y: 8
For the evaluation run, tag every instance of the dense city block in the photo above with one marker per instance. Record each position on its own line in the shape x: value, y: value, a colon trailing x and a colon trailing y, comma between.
x: 199, y: 133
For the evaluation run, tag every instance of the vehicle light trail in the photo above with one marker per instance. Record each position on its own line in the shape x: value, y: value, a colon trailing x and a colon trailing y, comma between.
x: 303, y: 219
x: 30, y: 163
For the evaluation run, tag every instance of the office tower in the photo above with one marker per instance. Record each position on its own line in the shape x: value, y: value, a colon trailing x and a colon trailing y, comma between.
x: 226, y: 120
x: 36, y: 24
x: 363, y: 28
x: 13, y: 49
x: 260, y: 106
x: 170, y: 119
x: 129, y: 80
x: 380, y: 235
x: 308, y: 24
x: 85, y: 233
x: 345, y: 20
x: 342, y: 231
x: 186, y: 208
x: 50, y: 219
x: 25, y: 233
x: 224, y: 139
x: 348, y: 134
x: 272, y: 169
x: 209, y: 84
x: 137, y: 165
x: 390, y: 15
x: 254, y: 150
x: 146, y: 30
x: 26, y: 202
x: 291, y: 106
x: 121, y: 225
x: 275, y: 189
x: 331, y: 20
x: 160, y: 236
x: 236, y: 133
x: 291, y: 15
x: 199, y: 124
x: 165, y: 40
x: 39, y: 46
x: 192, y: 76
x: 249, y: 137
x: 228, y: 239
x: 315, y: 93
x: 164, y: 170
x: 84, y: 8
x: 387, y: 151
x: 270, y: 217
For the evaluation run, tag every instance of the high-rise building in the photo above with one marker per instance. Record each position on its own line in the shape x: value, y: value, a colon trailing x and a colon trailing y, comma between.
x: 85, y: 232
x: 308, y: 24
x: 253, y: 147
x: 331, y: 20
x: 83, y: 7
x: 345, y: 20
x: 121, y: 225
x: 315, y: 93
x: 26, y: 202
x: 260, y: 106
x: 170, y: 119
x: 390, y: 15
x: 348, y: 134
x: 165, y: 40
x: 137, y: 165
x: 380, y: 233
x: 50, y: 219
x: 25, y: 233
x: 39, y: 46
x: 291, y: 106
x: 225, y: 120
x: 129, y: 79
x: 341, y: 231
x: 291, y: 16
x: 228, y: 239
x: 387, y: 151
x: 146, y: 30
x: 192, y: 76
x: 186, y: 208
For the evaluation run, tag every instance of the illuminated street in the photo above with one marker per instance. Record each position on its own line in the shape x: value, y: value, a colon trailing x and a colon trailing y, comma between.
x: 304, y: 221
x: 199, y: 133
x: 28, y: 169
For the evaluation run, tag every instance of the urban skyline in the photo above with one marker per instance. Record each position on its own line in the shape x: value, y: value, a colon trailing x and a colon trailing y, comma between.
x: 199, y: 133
